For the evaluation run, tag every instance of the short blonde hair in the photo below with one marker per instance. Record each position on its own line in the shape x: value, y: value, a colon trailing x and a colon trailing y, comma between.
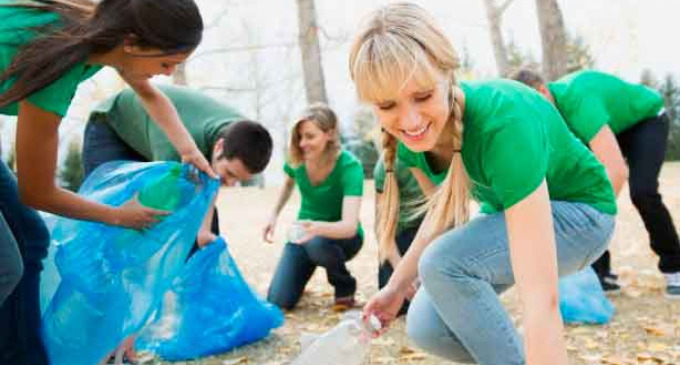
x: 399, y: 43
x: 324, y: 118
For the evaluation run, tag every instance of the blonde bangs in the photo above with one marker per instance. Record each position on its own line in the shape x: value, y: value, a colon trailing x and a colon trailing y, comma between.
x: 384, y: 65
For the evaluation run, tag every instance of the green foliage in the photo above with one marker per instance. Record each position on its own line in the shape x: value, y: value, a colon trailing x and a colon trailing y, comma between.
x: 71, y: 173
x: 361, y: 143
x: 518, y: 59
x: 579, y: 56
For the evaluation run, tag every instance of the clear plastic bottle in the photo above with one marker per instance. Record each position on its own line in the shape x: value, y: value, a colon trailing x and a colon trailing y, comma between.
x: 348, y: 343
x: 295, y: 233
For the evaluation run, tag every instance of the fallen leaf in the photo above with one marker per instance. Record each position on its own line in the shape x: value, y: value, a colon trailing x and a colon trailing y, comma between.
x: 236, y: 361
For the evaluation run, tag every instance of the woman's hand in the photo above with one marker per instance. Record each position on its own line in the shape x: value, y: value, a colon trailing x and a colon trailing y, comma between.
x: 311, y: 229
x: 268, y: 232
x: 384, y: 305
x: 134, y: 215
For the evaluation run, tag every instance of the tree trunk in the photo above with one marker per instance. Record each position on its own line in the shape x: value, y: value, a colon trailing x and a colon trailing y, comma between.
x: 179, y: 77
x: 553, y: 39
x: 315, y: 88
x: 494, y: 15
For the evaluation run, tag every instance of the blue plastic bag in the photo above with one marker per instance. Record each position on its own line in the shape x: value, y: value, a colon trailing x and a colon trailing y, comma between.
x: 582, y: 299
x: 112, y: 278
x: 209, y: 310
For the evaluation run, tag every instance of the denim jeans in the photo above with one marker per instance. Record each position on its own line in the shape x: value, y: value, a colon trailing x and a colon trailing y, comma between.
x: 101, y: 144
x: 457, y: 313
x: 644, y: 147
x: 385, y: 270
x: 298, y: 262
x: 24, y: 240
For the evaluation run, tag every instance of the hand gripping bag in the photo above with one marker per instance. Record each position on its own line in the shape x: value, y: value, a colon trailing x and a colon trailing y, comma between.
x: 112, y: 278
x: 209, y: 310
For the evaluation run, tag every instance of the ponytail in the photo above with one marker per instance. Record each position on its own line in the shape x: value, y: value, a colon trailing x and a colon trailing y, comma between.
x: 387, y: 215
x: 449, y: 205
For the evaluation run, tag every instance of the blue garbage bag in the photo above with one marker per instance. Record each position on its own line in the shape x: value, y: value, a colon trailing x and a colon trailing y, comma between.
x: 582, y: 299
x: 112, y: 278
x: 209, y: 310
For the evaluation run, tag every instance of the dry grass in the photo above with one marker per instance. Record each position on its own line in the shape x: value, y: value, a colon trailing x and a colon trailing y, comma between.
x: 645, y: 330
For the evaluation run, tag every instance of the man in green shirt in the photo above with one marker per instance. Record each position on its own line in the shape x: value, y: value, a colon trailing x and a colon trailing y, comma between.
x: 120, y: 129
x: 621, y: 122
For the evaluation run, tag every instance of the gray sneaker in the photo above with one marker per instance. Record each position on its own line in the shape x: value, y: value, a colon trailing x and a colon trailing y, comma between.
x: 673, y: 285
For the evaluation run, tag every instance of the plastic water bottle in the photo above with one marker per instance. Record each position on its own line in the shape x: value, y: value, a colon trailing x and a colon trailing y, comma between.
x: 295, y: 233
x: 348, y: 343
x: 163, y: 193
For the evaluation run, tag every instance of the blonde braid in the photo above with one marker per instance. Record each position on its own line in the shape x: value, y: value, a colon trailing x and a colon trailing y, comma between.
x: 449, y: 205
x: 387, y: 214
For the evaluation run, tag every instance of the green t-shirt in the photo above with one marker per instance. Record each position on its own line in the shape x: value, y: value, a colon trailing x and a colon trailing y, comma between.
x: 323, y: 202
x: 15, y: 32
x: 589, y: 100
x: 419, y: 161
x: 201, y: 115
x: 410, y: 194
x: 513, y: 139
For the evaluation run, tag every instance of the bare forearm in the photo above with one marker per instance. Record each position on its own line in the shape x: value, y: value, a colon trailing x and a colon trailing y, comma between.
x: 286, y: 192
x: 163, y: 112
x: 545, y: 332
x: 65, y: 203
x: 336, y: 230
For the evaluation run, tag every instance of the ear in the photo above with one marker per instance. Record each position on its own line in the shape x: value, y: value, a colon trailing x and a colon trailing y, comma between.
x: 218, y: 147
x: 131, y: 43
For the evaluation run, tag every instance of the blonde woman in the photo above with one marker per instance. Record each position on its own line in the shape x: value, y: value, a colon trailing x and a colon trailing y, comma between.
x: 549, y: 205
x: 330, y: 181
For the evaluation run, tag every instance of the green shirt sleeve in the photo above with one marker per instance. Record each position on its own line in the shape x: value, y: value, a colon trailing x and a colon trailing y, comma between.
x: 587, y: 119
x: 515, y: 159
x: 353, y: 179
x: 288, y: 170
x: 57, y: 96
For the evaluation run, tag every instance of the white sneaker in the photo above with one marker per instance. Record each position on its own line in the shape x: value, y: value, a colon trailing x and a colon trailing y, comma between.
x: 673, y: 285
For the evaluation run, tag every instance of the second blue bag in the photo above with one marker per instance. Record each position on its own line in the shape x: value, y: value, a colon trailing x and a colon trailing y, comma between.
x: 582, y: 299
x: 209, y: 310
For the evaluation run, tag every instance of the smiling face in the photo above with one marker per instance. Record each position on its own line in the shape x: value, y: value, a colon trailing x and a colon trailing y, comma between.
x: 417, y: 114
x: 312, y: 140
x: 230, y: 170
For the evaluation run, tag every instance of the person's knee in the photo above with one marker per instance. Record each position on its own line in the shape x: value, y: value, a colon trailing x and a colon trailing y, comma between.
x: 435, y: 342
x: 282, y: 299
x: 643, y: 199
x: 322, y: 252
x: 434, y: 265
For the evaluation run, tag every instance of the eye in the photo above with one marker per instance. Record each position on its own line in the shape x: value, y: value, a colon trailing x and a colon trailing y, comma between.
x: 386, y: 105
x: 422, y: 97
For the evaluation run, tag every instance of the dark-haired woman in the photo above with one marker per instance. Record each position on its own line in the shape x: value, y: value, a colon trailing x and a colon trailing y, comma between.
x: 46, y: 49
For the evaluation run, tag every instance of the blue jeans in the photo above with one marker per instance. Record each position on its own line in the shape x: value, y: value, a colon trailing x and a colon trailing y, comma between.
x: 457, y: 313
x: 24, y: 240
x: 101, y: 144
x: 298, y: 262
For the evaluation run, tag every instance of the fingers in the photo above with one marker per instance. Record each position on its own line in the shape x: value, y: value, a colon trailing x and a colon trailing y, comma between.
x: 202, y: 164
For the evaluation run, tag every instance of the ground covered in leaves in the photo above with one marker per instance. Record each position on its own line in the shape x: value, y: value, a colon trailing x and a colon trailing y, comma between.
x: 645, y: 329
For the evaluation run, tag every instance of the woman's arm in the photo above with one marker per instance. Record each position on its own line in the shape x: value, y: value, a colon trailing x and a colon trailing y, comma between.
x: 534, y: 261
x: 344, y: 228
x: 606, y: 149
x: 164, y: 114
x: 426, y: 185
x: 286, y: 191
x: 37, y: 143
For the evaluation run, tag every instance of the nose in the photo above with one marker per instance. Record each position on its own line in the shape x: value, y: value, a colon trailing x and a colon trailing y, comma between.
x: 409, y: 117
x: 168, y: 71
x: 229, y: 181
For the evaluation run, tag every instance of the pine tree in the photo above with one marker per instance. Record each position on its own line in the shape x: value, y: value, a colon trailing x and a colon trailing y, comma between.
x: 71, y: 173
